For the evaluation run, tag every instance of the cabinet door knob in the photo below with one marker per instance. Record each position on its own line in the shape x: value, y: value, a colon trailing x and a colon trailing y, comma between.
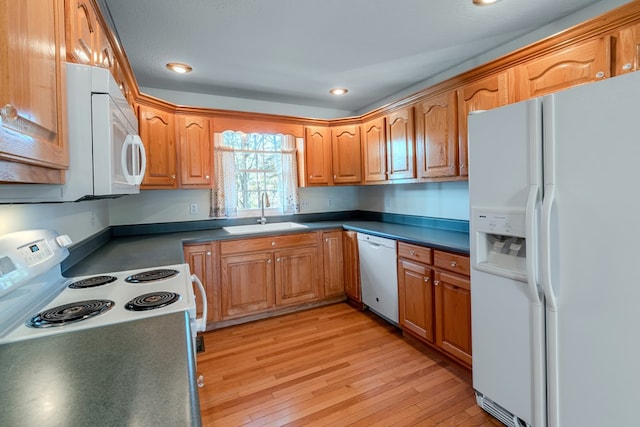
x: 627, y: 66
x: 426, y: 278
x: 209, y: 253
x: 9, y: 113
x: 326, y: 240
x: 599, y: 74
x: 436, y: 282
x: 462, y: 165
x: 206, y: 177
x: 412, y: 253
x: 269, y: 261
x: 310, y: 177
x: 278, y: 259
x: 453, y: 264
x: 173, y: 177
x: 273, y: 243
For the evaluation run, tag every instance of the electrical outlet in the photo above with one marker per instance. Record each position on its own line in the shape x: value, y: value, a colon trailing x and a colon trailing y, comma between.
x: 193, y: 208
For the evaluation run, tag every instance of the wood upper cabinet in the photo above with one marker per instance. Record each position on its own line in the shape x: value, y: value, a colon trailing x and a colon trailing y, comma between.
x: 82, y: 31
x: 374, y: 147
x: 158, y: 135
x: 203, y: 261
x: 453, y: 304
x: 351, y: 265
x: 33, y: 140
x: 317, y: 140
x: 400, y: 145
x: 485, y: 94
x: 195, y: 147
x: 583, y: 63
x: 333, y: 261
x: 247, y: 284
x: 347, y: 154
x: 297, y: 274
x: 627, y: 50
x: 437, y: 136
x: 416, y: 298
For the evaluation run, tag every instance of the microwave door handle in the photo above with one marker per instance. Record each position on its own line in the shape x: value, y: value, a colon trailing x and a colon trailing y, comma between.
x: 123, y: 159
x: 137, y: 142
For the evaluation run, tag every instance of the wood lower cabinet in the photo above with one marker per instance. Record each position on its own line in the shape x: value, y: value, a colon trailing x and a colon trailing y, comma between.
x: 434, y: 295
x: 195, y: 149
x: 416, y: 299
x: 334, y: 263
x: 33, y: 140
x: 437, y: 137
x: 351, y: 266
x: 202, y: 259
x: 263, y: 273
x: 247, y: 284
x: 296, y: 275
x: 157, y: 131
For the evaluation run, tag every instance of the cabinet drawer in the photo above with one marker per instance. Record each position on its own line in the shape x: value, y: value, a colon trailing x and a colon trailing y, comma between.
x: 452, y: 262
x: 266, y: 243
x: 415, y: 253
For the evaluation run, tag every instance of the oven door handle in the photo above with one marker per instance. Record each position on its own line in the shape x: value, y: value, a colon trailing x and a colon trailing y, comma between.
x: 201, y: 323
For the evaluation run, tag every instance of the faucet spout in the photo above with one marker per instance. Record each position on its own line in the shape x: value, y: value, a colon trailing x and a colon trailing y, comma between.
x: 264, y: 201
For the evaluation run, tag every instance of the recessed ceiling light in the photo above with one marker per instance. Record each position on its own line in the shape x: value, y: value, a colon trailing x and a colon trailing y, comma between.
x: 338, y: 91
x: 179, y: 67
x: 484, y: 2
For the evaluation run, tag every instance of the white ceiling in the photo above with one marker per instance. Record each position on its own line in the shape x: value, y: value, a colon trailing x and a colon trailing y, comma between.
x: 294, y: 51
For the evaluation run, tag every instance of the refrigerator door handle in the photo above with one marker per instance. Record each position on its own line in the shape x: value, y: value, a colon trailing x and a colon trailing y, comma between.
x: 546, y: 237
x: 532, y: 215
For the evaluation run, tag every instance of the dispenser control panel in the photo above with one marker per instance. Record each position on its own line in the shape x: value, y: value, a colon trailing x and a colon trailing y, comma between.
x: 503, y: 223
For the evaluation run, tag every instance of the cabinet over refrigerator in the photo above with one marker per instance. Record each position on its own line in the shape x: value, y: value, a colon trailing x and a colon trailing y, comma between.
x: 554, y: 234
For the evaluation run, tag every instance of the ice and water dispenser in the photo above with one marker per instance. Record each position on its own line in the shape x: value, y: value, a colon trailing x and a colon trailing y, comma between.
x: 500, y: 243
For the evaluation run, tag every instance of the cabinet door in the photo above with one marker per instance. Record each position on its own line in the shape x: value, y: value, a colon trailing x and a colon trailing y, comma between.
x: 583, y: 63
x: 333, y: 259
x: 347, y: 154
x: 195, y: 145
x: 490, y: 92
x: 33, y: 143
x: 400, y: 145
x: 104, y: 56
x: 82, y: 31
x: 453, y: 315
x: 157, y: 133
x: 317, y: 142
x: 415, y: 295
x: 247, y: 284
x: 627, y: 50
x: 351, y: 265
x: 437, y: 137
x: 296, y: 275
x: 374, y: 146
x: 201, y: 259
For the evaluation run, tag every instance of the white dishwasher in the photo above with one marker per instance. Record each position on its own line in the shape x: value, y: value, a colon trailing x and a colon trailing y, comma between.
x: 379, y: 275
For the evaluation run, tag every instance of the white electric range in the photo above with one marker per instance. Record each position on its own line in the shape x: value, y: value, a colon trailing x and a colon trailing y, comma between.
x: 36, y: 300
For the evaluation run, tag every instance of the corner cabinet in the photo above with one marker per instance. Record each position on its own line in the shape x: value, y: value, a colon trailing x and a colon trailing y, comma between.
x: 157, y: 131
x: 33, y: 140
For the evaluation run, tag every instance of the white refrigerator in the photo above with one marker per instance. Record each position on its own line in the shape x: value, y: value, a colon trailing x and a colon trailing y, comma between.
x: 554, y: 192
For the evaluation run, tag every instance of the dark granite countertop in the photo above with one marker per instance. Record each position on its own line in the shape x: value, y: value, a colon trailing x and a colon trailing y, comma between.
x: 133, y: 373
x: 159, y: 249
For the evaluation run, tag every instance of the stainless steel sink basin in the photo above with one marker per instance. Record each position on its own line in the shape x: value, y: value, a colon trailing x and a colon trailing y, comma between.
x: 263, y: 228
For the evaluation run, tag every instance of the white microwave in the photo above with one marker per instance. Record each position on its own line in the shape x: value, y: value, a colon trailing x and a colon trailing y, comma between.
x: 106, y: 155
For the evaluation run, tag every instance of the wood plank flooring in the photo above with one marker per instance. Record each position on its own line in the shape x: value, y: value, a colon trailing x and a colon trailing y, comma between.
x: 330, y: 366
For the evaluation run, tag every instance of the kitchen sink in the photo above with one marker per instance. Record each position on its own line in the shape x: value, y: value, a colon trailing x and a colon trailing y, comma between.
x: 263, y: 228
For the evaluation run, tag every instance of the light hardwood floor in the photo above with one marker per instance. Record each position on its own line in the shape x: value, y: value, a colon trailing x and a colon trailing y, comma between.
x: 330, y: 366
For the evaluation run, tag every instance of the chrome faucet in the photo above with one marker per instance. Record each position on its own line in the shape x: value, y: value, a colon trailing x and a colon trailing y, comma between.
x: 264, y: 201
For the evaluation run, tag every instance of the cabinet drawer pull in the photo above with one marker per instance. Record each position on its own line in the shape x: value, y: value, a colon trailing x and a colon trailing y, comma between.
x: 273, y: 243
x: 453, y: 264
x: 412, y: 253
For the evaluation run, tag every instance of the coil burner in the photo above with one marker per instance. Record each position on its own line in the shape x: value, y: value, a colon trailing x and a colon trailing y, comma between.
x: 69, y: 313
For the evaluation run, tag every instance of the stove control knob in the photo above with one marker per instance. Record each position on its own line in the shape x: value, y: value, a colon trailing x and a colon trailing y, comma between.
x: 64, y: 240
